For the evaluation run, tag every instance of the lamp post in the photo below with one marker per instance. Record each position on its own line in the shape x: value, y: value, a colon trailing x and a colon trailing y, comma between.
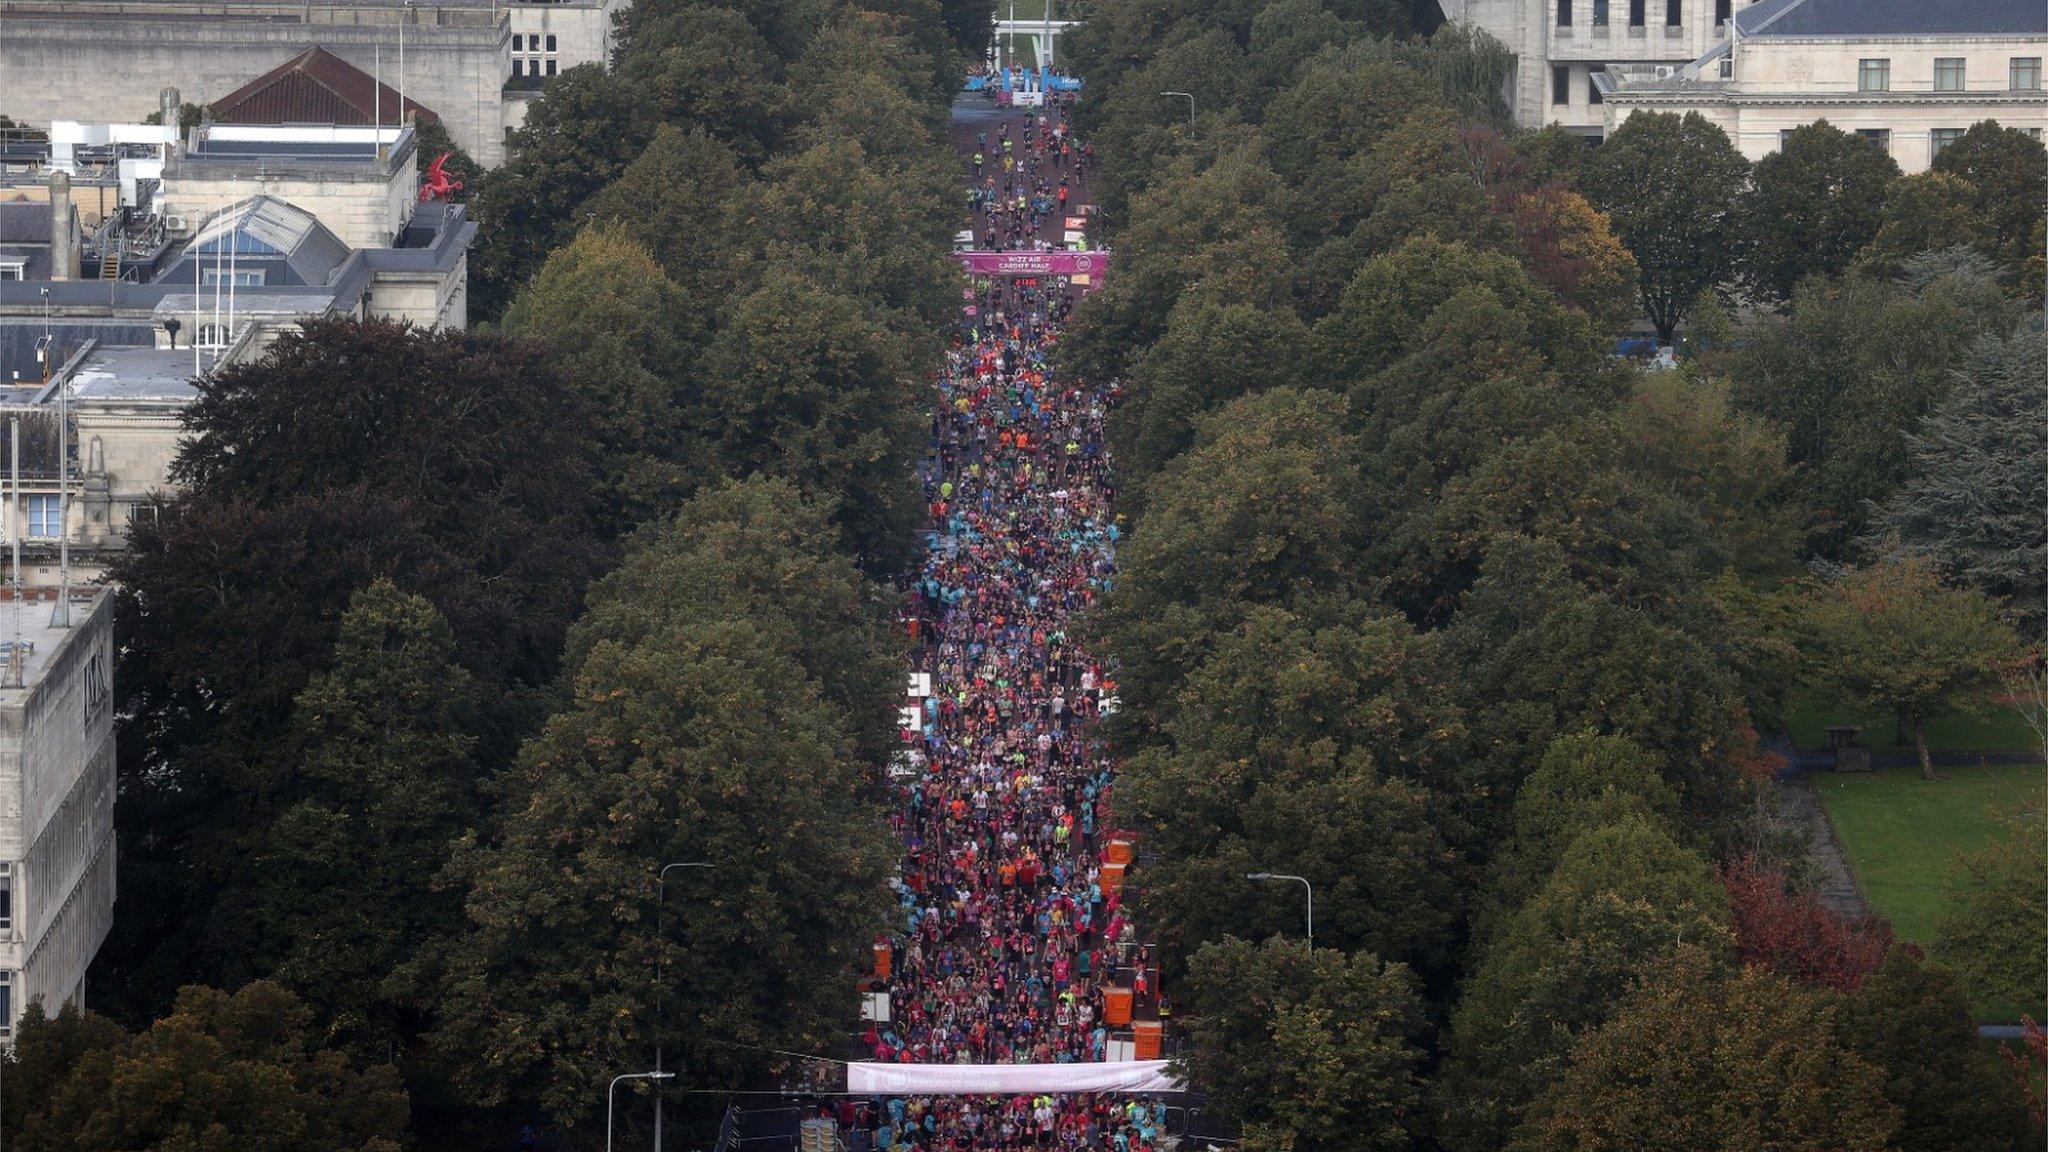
x: 1303, y: 881
x: 660, y: 993
x: 1190, y: 98
x: 611, y: 1092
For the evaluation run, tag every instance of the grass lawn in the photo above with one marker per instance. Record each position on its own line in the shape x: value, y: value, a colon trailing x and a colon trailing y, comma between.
x: 1903, y: 835
x: 1996, y: 729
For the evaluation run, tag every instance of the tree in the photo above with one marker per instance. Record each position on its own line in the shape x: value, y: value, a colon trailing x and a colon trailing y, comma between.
x: 1304, y: 746
x: 700, y: 745
x: 684, y: 176
x: 2008, y: 169
x: 586, y: 127
x: 238, y: 1072
x: 706, y: 65
x: 1305, y: 1049
x: 698, y: 730
x: 1992, y: 931
x: 1619, y: 904
x: 1971, y: 504
x: 623, y: 334
x: 1261, y: 511
x: 1583, y: 783
x: 1894, y: 636
x: 1817, y: 201
x: 349, y: 453
x: 816, y: 386
x: 1699, y: 1061
x: 1925, y: 212
x: 46, y: 1051
x: 1670, y: 184
x: 1212, y: 352
x: 1572, y: 250
x: 758, y: 551
x: 1853, y: 368
x: 1786, y: 930
x: 1912, y: 1021
x: 385, y: 784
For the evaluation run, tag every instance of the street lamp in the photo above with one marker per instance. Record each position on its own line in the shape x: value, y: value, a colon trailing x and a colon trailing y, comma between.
x: 610, y: 1094
x: 661, y: 993
x: 1303, y: 881
x: 1190, y: 98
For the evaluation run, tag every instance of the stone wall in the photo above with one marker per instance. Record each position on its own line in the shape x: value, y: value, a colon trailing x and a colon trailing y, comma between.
x: 111, y: 67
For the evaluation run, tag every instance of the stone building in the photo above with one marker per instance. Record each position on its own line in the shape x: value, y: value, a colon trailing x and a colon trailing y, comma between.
x: 1910, y: 75
x: 56, y: 794
x: 1561, y: 45
x: 474, y: 63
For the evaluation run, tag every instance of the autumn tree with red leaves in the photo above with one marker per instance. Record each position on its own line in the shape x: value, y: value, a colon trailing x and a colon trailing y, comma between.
x: 1787, y: 931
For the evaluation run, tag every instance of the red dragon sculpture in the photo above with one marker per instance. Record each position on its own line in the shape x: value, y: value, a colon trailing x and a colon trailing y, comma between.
x: 438, y: 185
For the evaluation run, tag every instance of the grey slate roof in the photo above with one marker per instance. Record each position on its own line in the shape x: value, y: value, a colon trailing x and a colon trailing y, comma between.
x: 1893, y: 18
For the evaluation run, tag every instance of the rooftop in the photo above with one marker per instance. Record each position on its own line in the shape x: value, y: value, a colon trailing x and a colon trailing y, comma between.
x: 314, y: 87
x: 134, y: 374
x: 40, y: 641
x: 1831, y: 18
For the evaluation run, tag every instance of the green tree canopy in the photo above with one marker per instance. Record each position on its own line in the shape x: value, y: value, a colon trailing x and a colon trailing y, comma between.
x: 240, y: 1072
x: 1852, y: 370
x: 1261, y: 511
x: 1698, y: 1061
x: 1671, y: 185
x: 816, y: 386
x: 1616, y: 908
x: 1817, y: 201
x: 1893, y: 636
x: 1306, y: 1049
x: 1912, y: 1021
x: 701, y: 743
x: 2008, y: 170
x: 1925, y: 212
x: 1997, y: 911
x: 1972, y: 503
x: 385, y: 785
x: 623, y: 334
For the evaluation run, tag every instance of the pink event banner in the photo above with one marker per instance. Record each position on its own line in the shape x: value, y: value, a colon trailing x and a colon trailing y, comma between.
x: 1035, y: 263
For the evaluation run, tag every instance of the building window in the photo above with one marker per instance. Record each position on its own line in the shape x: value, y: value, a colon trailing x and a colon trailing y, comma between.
x: 1873, y: 75
x: 1636, y: 13
x: 212, y: 336
x: 2026, y: 73
x: 6, y: 1003
x: 44, y: 522
x: 1882, y: 137
x: 6, y: 897
x: 1722, y: 10
x: 1599, y: 13
x: 1942, y: 138
x: 1592, y: 83
x: 1948, y: 74
x: 551, y: 67
x: 12, y: 270
x: 1560, y: 84
x: 2032, y: 133
x: 551, y: 42
x: 1564, y: 13
x: 1728, y: 67
x: 1674, y: 13
x: 237, y: 278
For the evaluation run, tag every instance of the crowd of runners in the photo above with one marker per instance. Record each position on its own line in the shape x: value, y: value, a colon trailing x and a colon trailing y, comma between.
x: 1012, y: 928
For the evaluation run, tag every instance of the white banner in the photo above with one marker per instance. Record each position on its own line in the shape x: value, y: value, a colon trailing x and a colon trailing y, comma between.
x: 1135, y: 1076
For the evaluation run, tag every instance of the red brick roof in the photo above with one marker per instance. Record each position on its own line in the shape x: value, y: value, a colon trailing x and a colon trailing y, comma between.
x: 314, y: 87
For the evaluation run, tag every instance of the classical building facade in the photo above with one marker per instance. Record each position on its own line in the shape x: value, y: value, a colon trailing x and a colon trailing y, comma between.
x: 1910, y: 75
x: 1561, y: 45
x: 475, y: 63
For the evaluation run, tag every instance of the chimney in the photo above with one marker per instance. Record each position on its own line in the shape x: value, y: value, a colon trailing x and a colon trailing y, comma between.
x: 168, y: 106
x: 63, y: 240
